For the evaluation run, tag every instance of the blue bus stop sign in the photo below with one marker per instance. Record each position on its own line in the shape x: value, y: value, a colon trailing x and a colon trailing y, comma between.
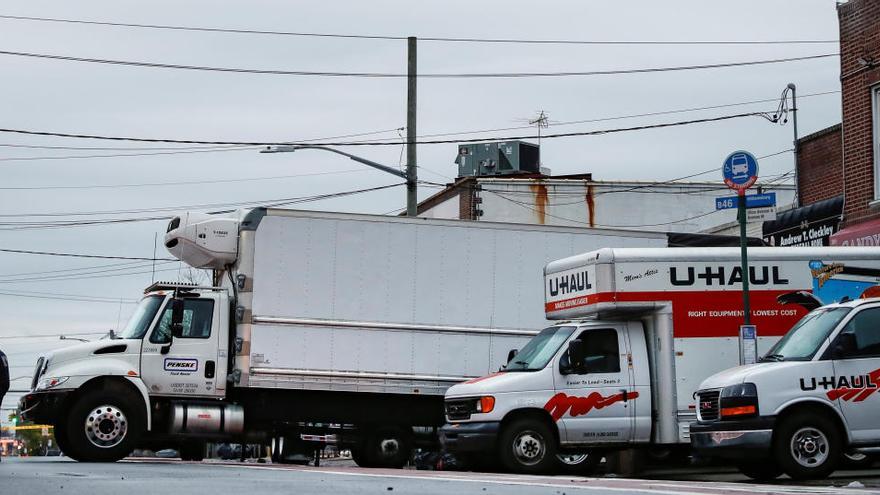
x: 740, y: 171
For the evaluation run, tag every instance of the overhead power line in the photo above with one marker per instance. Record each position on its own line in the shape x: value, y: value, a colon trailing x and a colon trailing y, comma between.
x: 65, y: 297
x: 385, y: 143
x: 182, y: 183
x: 80, y: 255
x: 460, y: 75
x: 628, y: 116
x: 425, y: 38
x: 51, y: 335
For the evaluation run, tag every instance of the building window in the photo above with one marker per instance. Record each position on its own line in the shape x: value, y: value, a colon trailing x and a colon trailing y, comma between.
x: 875, y: 138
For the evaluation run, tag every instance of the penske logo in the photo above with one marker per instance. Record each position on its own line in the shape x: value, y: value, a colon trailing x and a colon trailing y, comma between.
x: 183, y: 365
x: 560, y: 404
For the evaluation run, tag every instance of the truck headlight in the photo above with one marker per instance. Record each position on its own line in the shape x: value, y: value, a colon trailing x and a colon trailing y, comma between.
x: 51, y: 382
x: 739, y: 401
x: 485, y: 404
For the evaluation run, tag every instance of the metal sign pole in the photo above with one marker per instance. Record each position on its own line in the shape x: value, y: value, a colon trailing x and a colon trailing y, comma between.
x: 740, y: 172
x: 744, y: 252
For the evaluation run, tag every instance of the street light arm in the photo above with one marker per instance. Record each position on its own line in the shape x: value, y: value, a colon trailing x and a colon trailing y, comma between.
x: 369, y: 163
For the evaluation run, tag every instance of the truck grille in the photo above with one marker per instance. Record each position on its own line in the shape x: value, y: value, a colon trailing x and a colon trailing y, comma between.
x: 460, y: 409
x: 707, y: 403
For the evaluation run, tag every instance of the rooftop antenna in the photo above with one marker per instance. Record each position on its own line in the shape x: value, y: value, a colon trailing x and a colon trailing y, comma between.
x: 541, y: 121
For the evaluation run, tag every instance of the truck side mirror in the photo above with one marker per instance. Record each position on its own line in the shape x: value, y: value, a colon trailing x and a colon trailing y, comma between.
x: 845, y: 346
x: 576, y: 353
x: 176, y: 317
x: 511, y: 354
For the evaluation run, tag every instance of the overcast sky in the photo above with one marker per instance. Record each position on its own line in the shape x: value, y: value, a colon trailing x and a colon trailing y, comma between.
x: 75, y: 97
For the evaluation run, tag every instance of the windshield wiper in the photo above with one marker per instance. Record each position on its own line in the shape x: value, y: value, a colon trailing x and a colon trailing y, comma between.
x: 773, y: 357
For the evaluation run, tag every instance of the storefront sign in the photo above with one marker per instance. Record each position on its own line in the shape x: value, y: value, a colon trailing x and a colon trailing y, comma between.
x: 862, y: 234
x: 811, y: 225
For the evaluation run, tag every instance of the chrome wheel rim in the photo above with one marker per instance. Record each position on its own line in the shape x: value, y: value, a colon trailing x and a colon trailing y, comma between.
x: 529, y: 447
x: 855, y: 456
x: 389, y: 447
x: 809, y: 447
x: 106, y: 426
x: 572, y: 459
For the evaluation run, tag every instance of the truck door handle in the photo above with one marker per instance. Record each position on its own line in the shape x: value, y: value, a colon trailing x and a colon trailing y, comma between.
x: 209, y: 369
x: 625, y: 394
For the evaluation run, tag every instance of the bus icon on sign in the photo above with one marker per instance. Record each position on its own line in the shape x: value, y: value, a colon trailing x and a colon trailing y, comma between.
x: 739, y: 165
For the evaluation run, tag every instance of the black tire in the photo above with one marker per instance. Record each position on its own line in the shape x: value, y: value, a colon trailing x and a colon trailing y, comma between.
x: 760, y: 471
x: 192, y: 451
x: 807, y: 446
x: 60, y: 432
x: 584, y: 463
x: 527, y: 446
x: 105, y: 425
x: 857, y: 460
x: 359, y: 456
x: 388, y: 447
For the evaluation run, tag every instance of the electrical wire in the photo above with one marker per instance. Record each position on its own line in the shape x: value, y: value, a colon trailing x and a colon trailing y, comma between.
x: 623, y: 117
x: 51, y: 335
x: 65, y: 297
x: 182, y: 183
x: 386, y: 143
x: 93, y: 267
x: 80, y: 223
x: 199, y: 149
x: 426, y: 38
x: 80, y: 255
x: 387, y: 75
x: 78, y: 275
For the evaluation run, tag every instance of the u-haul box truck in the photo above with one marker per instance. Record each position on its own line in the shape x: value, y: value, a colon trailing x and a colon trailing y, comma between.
x: 639, y: 329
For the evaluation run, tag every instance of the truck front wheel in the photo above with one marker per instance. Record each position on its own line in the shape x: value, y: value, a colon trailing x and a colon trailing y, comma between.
x: 528, y: 446
x: 388, y: 447
x: 807, y: 446
x: 104, y: 425
x: 760, y: 471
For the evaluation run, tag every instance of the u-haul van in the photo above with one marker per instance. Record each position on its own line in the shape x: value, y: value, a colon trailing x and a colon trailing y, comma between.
x: 638, y: 330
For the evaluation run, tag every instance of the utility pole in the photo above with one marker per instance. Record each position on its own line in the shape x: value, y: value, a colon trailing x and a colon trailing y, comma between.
x: 411, y: 168
x: 797, y: 196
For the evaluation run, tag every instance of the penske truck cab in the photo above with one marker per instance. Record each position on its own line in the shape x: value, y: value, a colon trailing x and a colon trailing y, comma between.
x: 638, y: 330
x: 809, y: 404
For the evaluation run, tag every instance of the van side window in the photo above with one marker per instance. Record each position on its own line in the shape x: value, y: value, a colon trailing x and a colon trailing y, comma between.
x: 865, y: 326
x: 603, y: 351
x: 197, y: 316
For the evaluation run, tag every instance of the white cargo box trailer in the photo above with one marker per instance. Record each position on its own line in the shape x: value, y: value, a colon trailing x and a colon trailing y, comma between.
x: 389, y: 304
x: 322, y: 318
x: 639, y: 330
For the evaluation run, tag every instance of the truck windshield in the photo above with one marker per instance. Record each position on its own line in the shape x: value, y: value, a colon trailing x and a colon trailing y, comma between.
x: 140, y: 321
x: 538, y: 352
x: 804, y: 339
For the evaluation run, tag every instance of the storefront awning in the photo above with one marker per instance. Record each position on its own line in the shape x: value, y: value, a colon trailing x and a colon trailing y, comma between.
x: 860, y: 234
x: 811, y: 225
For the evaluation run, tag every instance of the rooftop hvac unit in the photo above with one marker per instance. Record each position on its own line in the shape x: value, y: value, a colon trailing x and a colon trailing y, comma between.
x: 203, y: 241
x: 501, y: 158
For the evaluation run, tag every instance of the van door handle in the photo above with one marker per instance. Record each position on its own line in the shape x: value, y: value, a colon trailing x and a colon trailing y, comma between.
x: 209, y: 369
x: 625, y: 394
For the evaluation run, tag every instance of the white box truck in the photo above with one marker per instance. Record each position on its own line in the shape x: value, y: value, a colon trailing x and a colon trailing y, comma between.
x: 639, y: 330
x: 317, y: 319
x: 813, y: 400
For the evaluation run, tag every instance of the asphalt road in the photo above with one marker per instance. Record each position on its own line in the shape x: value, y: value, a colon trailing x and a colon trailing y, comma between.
x: 54, y: 475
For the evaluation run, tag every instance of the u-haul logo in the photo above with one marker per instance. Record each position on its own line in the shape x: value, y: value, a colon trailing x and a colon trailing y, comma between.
x: 570, y: 283
x: 182, y: 365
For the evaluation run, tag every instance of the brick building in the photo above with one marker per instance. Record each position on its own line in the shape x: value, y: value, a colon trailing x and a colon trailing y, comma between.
x: 846, y: 158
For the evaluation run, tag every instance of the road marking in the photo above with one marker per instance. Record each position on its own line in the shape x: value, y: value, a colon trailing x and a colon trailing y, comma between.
x: 658, y: 487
